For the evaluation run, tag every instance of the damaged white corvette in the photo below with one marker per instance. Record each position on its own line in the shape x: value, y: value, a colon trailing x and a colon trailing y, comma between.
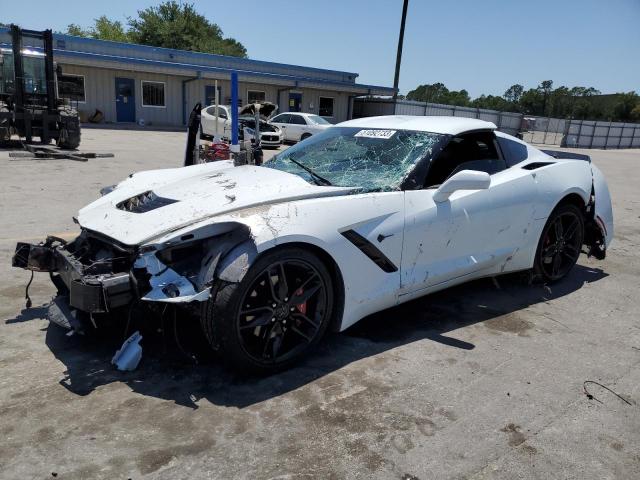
x: 368, y: 214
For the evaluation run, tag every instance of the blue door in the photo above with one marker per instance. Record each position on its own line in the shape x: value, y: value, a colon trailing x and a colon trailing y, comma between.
x: 125, y: 100
x: 295, y: 101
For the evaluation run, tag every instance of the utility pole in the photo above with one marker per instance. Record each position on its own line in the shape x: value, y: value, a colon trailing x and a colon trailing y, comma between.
x: 396, y: 79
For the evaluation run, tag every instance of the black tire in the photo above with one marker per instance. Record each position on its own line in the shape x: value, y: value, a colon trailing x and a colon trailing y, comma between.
x: 560, y: 243
x: 305, y: 136
x: 5, y: 137
x: 69, y: 129
x: 257, y: 338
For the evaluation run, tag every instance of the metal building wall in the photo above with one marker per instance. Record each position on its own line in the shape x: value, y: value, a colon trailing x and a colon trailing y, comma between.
x: 100, y: 94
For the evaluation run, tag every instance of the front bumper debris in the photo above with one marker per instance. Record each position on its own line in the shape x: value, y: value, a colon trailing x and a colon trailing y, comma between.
x: 91, y: 293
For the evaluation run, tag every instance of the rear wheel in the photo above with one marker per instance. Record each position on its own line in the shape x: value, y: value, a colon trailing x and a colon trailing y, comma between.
x: 275, y: 315
x: 560, y: 244
x: 305, y: 136
x: 5, y: 131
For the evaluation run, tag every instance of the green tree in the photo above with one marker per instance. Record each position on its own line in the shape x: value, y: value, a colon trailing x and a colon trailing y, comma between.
x: 513, y: 93
x: 103, y: 28
x: 76, y: 31
x: 180, y: 26
x: 492, y: 102
x: 562, y: 102
x: 438, y: 93
x: 545, y: 89
x: 170, y: 25
x: 106, y: 29
x: 625, y: 105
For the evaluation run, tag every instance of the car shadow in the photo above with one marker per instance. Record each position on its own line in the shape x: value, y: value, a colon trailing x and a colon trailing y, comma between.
x: 163, y: 374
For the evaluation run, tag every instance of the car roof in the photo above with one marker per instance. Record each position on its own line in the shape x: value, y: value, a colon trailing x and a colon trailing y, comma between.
x: 302, y: 114
x: 434, y: 124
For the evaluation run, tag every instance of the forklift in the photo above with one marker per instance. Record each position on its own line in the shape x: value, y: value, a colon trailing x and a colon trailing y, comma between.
x: 29, y: 102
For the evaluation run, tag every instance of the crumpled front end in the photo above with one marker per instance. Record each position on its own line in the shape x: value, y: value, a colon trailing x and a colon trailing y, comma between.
x: 97, y: 276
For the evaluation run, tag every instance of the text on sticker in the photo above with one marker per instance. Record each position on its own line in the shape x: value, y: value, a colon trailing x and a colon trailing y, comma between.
x: 375, y: 133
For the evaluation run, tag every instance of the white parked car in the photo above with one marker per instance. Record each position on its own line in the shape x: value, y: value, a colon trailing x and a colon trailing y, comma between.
x: 298, y: 126
x: 366, y: 215
x: 270, y: 135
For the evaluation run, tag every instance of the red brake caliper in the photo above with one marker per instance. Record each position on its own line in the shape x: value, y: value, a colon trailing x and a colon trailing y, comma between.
x: 302, y: 307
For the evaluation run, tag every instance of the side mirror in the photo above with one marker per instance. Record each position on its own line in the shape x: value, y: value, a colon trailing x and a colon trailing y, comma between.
x: 463, y: 180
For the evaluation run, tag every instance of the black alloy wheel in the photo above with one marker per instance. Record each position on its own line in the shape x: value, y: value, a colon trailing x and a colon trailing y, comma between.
x: 275, y: 315
x: 560, y: 243
x: 282, y: 312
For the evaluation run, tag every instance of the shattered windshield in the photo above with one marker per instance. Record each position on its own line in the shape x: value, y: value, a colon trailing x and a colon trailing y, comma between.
x: 369, y: 159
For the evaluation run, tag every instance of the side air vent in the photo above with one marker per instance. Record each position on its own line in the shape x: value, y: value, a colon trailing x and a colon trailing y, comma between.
x: 145, y: 202
x: 536, y: 165
x: 370, y: 250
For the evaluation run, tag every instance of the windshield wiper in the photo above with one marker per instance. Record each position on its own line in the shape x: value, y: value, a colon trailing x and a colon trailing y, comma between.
x: 316, y: 178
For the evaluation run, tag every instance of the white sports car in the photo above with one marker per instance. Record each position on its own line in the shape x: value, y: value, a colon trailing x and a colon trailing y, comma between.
x: 366, y: 215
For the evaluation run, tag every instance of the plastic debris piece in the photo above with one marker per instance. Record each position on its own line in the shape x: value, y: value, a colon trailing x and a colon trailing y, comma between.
x: 128, y: 357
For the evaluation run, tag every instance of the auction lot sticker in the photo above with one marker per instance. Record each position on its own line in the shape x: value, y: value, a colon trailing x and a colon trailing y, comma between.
x: 385, y: 134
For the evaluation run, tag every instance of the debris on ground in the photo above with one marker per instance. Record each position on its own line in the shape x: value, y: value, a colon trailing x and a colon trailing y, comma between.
x: 46, y: 152
x: 128, y: 357
x: 591, y: 397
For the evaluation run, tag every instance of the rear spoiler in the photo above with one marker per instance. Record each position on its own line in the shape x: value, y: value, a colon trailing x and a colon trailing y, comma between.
x: 559, y: 154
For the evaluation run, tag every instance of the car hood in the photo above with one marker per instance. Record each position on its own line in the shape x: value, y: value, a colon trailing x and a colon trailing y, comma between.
x: 266, y: 109
x: 152, y: 203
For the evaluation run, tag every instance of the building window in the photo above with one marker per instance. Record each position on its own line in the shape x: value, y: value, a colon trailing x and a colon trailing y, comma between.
x: 326, y: 107
x: 255, y: 96
x: 210, y: 94
x: 152, y: 94
x: 71, y: 87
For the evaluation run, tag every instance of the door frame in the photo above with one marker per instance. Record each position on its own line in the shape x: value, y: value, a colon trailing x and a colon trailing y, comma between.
x: 297, y: 95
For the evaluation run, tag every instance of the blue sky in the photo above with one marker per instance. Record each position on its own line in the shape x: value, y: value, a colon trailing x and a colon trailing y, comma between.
x: 483, y: 46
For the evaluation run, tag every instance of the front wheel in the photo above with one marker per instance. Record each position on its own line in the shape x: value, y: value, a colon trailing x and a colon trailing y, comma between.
x: 275, y: 315
x: 560, y: 243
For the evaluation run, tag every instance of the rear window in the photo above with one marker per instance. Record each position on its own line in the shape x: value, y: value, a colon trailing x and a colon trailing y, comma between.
x: 297, y: 119
x: 514, y: 152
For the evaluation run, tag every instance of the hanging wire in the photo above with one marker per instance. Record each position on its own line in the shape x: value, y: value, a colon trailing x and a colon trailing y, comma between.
x: 26, y: 292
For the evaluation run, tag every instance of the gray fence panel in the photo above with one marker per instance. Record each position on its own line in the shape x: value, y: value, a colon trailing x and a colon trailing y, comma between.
x: 508, y: 122
x: 537, y: 130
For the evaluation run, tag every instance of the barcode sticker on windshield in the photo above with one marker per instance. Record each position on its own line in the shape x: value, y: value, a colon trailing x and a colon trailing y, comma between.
x: 375, y: 133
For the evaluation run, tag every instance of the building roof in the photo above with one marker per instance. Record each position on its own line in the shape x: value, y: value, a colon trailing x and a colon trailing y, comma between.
x: 73, y: 50
x: 434, y: 124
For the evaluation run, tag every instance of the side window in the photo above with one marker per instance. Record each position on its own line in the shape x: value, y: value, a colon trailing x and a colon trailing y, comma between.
x: 222, y: 113
x: 282, y: 118
x: 472, y: 151
x: 211, y: 111
x: 297, y: 120
x: 514, y: 152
